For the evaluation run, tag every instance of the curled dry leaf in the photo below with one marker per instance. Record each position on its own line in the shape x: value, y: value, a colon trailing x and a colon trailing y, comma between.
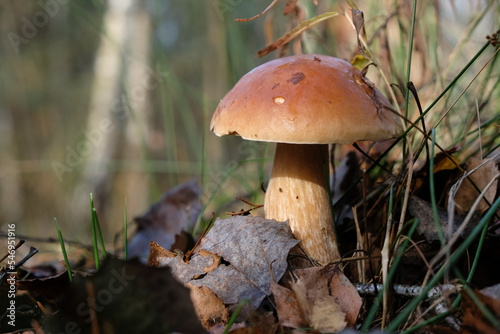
x: 182, y: 271
x: 445, y: 169
x: 215, y: 258
x: 209, y: 308
x: 251, y: 251
x: 167, y: 220
x: 358, y: 20
x: 322, y: 298
x: 156, y: 252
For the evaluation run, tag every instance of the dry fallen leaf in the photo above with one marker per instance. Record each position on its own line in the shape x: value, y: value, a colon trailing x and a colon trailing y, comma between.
x: 474, y: 321
x: 287, y: 307
x: 125, y: 297
x: 209, y: 308
x: 467, y: 194
x: 182, y: 271
x: 318, y: 307
x: 258, y: 324
x: 248, y: 248
x: 329, y: 280
x: 167, y: 220
x: 345, y: 295
x: 445, y: 169
x: 156, y: 253
x: 322, y: 298
x: 46, y: 289
x: 427, y: 226
x: 252, y: 246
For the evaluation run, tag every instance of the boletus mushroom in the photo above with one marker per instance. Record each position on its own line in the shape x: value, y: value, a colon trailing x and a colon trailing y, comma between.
x: 304, y: 103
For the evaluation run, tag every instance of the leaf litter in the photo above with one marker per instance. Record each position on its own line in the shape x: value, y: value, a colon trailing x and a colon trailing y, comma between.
x: 321, y: 298
x: 474, y: 319
x: 167, y: 221
x: 237, y: 260
x: 224, y: 261
x: 242, y: 260
x: 125, y: 297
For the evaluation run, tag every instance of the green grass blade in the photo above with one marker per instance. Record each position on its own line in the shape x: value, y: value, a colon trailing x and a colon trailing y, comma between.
x: 410, y: 307
x: 475, y: 262
x: 452, y: 83
x: 432, y: 191
x: 235, y: 315
x: 63, y: 249
x: 94, y: 237
x: 408, y: 70
x: 478, y: 253
x: 99, y: 233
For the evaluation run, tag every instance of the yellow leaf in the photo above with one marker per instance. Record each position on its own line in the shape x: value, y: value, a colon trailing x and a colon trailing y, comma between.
x: 360, y: 62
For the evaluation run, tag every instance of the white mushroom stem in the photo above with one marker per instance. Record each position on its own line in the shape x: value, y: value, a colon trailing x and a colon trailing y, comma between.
x: 298, y: 192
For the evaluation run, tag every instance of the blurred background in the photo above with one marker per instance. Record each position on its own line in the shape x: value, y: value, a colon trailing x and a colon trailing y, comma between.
x: 115, y: 97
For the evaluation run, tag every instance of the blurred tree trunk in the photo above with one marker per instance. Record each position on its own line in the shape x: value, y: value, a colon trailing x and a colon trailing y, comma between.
x: 118, y: 107
x: 10, y: 181
x: 141, y: 79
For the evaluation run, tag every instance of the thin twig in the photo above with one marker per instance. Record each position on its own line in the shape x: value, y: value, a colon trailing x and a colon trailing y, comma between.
x: 355, y: 145
x: 407, y: 190
x: 385, y: 263
x: 359, y: 245
x: 258, y: 15
x: 245, y: 212
x: 409, y: 290
x: 189, y: 253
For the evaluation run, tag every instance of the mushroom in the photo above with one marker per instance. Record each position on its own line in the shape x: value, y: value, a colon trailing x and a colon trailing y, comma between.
x: 304, y: 103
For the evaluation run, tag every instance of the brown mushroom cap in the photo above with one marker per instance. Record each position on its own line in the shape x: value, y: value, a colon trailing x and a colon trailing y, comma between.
x: 309, y: 99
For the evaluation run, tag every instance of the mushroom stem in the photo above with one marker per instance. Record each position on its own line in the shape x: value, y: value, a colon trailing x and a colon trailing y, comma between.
x: 298, y: 192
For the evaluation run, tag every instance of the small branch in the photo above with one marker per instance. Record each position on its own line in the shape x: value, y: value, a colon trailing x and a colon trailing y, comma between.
x: 409, y: 290
x: 245, y: 212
